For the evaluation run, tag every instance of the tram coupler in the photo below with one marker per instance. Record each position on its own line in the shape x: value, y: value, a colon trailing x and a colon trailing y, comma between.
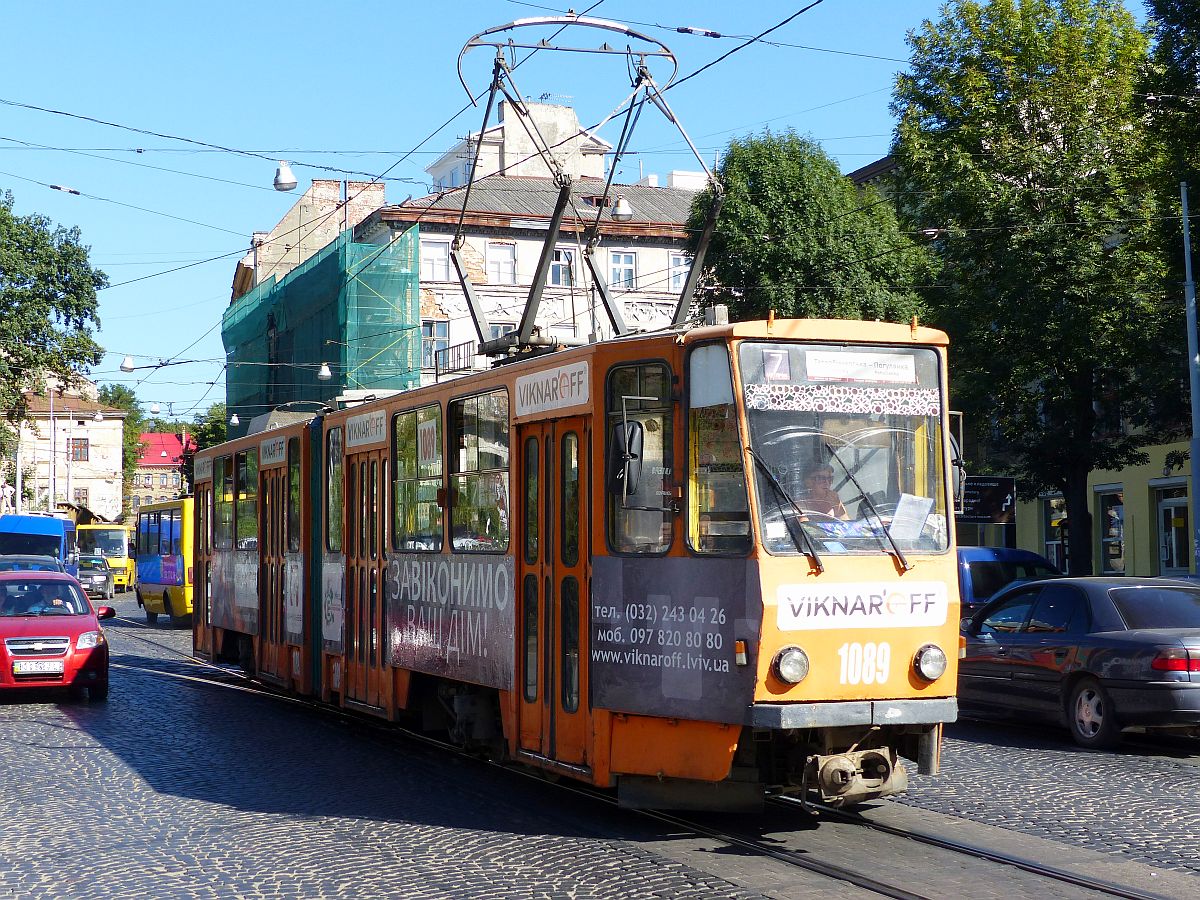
x: 844, y: 779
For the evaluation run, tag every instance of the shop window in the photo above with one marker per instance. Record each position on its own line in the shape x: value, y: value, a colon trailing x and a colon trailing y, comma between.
x: 1110, y: 518
x: 1054, y: 527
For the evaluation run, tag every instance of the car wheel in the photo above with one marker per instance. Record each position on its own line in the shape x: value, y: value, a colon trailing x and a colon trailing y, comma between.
x: 98, y: 693
x: 1091, y: 716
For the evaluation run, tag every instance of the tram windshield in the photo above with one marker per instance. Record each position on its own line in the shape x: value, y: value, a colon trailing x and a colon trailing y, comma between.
x: 847, y: 447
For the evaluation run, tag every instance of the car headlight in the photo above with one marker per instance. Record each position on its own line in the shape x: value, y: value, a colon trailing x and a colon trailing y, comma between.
x: 89, y: 639
x: 790, y: 665
x: 930, y: 662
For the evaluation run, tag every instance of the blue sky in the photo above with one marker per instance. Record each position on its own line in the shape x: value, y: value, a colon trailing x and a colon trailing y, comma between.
x: 356, y: 86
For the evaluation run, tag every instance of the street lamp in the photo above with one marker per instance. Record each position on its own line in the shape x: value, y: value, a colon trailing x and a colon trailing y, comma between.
x: 234, y: 420
x: 622, y: 211
x: 127, y: 364
x: 284, y: 179
x: 324, y: 374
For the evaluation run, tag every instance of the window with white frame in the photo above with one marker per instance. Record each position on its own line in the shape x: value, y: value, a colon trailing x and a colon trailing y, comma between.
x: 623, y: 266
x: 499, y: 329
x: 562, y: 267
x: 435, y: 336
x: 435, y: 260
x: 501, y: 263
x: 681, y: 264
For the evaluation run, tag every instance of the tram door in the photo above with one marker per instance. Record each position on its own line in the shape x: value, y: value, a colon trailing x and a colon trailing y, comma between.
x: 366, y: 479
x: 272, y: 494
x: 202, y: 554
x: 552, y: 575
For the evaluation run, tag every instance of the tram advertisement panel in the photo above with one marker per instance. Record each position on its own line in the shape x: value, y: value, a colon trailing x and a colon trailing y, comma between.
x: 452, y: 616
x: 663, y: 633
x: 234, y: 601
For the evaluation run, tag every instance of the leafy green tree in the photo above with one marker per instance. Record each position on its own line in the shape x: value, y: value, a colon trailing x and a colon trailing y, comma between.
x: 120, y: 396
x: 1170, y: 85
x: 1020, y: 133
x: 47, y: 306
x: 209, y: 426
x: 797, y: 237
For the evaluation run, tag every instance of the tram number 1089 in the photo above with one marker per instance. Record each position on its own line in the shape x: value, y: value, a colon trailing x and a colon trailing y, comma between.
x: 865, y: 663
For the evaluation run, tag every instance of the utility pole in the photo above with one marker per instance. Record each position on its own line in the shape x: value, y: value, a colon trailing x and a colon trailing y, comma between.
x: 1189, y: 293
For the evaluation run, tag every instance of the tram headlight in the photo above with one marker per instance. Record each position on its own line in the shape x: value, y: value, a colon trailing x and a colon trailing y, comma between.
x: 930, y: 662
x: 791, y: 665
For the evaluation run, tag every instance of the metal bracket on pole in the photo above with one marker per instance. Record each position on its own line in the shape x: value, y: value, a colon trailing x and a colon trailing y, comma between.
x: 710, y: 225
x: 482, y: 328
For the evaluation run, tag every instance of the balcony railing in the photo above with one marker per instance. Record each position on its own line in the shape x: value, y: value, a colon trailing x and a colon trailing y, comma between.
x: 457, y: 359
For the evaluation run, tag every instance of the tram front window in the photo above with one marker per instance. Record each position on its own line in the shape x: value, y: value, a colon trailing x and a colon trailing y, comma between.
x: 847, y: 443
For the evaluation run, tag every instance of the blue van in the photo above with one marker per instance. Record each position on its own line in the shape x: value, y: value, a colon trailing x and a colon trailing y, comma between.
x: 42, y: 536
x: 982, y: 571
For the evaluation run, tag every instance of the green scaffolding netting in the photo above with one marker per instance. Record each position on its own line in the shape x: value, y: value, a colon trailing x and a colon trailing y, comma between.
x: 353, y: 306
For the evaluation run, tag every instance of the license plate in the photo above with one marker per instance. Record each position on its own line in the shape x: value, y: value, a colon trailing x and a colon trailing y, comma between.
x: 37, y: 666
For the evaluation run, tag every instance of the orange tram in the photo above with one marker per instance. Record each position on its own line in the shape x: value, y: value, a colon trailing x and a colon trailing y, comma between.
x: 700, y: 566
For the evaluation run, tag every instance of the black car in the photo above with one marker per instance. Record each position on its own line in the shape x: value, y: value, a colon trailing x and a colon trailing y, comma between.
x: 97, y: 577
x: 1096, y: 654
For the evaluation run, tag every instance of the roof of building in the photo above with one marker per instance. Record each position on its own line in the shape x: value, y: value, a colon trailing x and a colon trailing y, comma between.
x: 39, y: 406
x: 155, y: 444
x: 873, y: 171
x: 535, y: 197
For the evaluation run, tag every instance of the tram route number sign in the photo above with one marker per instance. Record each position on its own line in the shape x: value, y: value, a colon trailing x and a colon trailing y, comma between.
x: 989, y: 500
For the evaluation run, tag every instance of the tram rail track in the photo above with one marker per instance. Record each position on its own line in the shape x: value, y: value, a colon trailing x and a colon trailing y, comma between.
x: 233, y: 678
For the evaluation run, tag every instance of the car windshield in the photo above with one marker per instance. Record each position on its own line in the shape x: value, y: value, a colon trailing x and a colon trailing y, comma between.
x: 1158, y: 607
x: 849, y: 440
x: 93, y: 562
x: 34, y: 597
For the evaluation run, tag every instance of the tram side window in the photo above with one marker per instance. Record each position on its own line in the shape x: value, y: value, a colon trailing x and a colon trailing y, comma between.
x: 719, y: 508
x: 246, y: 467
x: 639, y: 516
x: 417, y: 451
x: 293, y: 502
x: 334, y: 498
x: 223, y: 501
x: 479, y: 483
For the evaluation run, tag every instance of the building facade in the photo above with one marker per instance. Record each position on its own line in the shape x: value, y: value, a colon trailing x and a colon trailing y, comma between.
x: 69, y: 452
x: 159, y: 474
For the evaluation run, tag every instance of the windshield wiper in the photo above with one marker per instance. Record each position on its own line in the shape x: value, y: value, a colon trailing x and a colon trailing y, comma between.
x: 875, y: 512
x: 811, y: 546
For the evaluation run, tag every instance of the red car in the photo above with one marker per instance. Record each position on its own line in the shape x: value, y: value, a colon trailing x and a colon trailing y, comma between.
x: 50, y: 636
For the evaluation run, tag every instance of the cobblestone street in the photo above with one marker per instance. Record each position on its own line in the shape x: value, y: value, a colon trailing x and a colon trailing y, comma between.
x: 181, y: 788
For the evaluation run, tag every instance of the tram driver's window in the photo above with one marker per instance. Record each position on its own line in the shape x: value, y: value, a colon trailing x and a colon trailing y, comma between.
x: 640, y: 519
x: 479, y: 516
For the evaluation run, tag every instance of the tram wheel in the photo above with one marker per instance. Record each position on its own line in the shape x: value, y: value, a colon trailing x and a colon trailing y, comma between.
x: 1091, y: 716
